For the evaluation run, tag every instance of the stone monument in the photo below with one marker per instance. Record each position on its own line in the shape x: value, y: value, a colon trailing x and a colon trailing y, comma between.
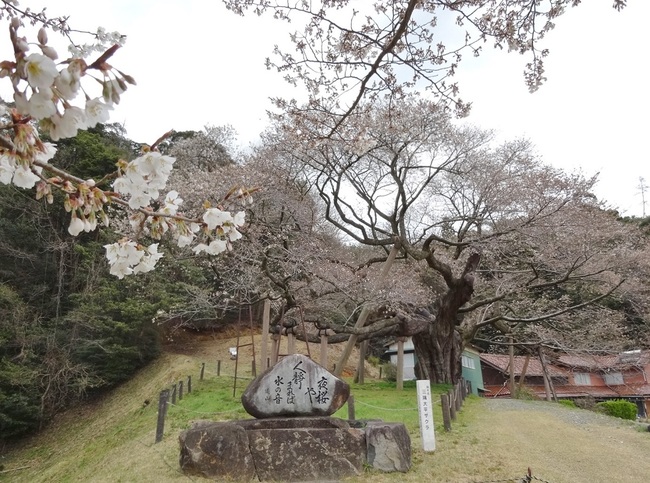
x: 294, y: 437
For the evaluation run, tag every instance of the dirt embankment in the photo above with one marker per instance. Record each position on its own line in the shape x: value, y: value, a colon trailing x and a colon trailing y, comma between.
x: 213, y: 346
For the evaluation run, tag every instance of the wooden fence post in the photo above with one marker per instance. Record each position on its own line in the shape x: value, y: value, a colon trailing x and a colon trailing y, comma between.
x: 452, y: 404
x: 351, y: 408
x: 180, y: 390
x: 162, y: 412
x: 174, y: 393
x: 202, y: 371
x: 218, y: 367
x: 253, y: 368
x: 189, y: 384
x: 458, y: 399
x: 446, y: 414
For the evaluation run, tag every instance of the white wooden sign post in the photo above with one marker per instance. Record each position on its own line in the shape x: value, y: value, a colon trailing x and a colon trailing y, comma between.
x: 425, y: 408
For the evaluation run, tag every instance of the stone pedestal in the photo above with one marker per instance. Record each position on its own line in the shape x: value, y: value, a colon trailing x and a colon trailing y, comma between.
x: 294, y: 437
x: 292, y: 449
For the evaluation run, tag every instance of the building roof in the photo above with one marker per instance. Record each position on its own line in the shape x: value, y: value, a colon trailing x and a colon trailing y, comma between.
x: 502, y: 363
x: 636, y: 358
x: 569, y: 391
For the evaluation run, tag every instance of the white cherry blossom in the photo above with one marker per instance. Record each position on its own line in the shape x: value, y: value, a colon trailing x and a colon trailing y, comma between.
x: 76, y: 226
x: 97, y: 111
x: 24, y: 178
x: 41, y: 70
x: 214, y: 217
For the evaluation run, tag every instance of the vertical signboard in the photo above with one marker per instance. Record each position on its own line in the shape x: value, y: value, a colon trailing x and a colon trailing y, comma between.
x: 425, y: 408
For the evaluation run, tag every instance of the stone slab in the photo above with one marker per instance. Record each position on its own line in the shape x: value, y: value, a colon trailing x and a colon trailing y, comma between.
x: 307, y: 454
x: 218, y: 450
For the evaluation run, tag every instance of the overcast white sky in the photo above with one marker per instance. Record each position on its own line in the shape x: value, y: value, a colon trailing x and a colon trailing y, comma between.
x: 197, y: 64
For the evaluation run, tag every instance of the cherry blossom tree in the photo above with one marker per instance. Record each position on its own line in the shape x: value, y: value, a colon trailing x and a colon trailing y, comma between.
x: 500, y: 234
x: 47, y: 99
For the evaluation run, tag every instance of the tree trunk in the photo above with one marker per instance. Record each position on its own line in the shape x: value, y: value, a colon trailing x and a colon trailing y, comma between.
x: 438, y: 353
x: 439, y: 348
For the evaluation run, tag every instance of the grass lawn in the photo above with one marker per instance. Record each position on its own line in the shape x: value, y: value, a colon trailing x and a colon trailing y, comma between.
x: 112, y: 440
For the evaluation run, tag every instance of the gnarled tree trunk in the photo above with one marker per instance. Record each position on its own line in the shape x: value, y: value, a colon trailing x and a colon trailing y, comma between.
x: 438, y: 349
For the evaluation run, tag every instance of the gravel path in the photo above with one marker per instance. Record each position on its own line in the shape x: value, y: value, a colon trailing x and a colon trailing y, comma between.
x: 579, y: 417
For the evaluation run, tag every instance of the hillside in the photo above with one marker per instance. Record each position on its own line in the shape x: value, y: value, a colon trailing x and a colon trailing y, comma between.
x: 112, y: 439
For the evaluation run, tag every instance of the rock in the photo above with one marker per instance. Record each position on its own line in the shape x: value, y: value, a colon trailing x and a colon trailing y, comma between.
x: 295, y: 386
x: 217, y: 450
x: 307, y: 454
x: 388, y: 446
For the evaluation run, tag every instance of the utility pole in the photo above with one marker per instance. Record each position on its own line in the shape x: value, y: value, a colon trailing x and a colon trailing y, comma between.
x: 642, y: 188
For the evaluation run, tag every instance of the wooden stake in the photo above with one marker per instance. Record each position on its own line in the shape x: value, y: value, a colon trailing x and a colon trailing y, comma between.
x: 162, y: 412
x: 446, y: 411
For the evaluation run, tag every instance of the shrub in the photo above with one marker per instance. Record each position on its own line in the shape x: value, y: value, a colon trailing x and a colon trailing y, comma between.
x: 526, y: 394
x: 618, y: 408
x: 390, y: 372
x: 568, y: 403
x: 586, y: 403
x: 373, y: 361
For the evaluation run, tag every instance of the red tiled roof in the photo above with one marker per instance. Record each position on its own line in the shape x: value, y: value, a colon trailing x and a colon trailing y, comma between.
x: 596, y: 362
x: 641, y: 390
x: 502, y: 363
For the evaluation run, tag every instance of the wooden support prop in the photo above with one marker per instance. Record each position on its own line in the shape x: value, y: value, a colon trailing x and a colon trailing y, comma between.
x: 162, y: 412
x: 365, y: 312
x: 511, y: 353
x: 400, y: 363
x: 351, y: 408
x: 547, y: 386
x: 446, y: 411
x: 323, y: 349
x: 266, y: 320
x: 291, y: 342
x: 522, y: 376
x: 250, y: 320
x: 275, y: 350
x: 361, y: 366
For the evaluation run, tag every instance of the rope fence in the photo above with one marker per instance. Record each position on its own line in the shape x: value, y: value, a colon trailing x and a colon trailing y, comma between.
x: 451, y: 402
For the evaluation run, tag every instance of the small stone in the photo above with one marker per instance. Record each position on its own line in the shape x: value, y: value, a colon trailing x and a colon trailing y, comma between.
x: 388, y: 446
x: 296, y: 386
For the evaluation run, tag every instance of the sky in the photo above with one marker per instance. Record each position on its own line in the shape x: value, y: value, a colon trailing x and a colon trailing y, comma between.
x: 197, y: 64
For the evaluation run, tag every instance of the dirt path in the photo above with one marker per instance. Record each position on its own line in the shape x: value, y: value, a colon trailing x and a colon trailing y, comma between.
x: 562, y: 444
